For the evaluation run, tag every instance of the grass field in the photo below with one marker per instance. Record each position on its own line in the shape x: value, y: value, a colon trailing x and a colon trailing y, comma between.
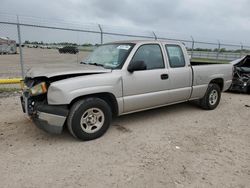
x: 5, y: 89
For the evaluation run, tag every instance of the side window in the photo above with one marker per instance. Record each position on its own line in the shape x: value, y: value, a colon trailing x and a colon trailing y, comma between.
x: 151, y: 54
x: 175, y: 56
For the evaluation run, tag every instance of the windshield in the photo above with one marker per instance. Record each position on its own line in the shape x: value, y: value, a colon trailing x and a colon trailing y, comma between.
x: 109, y: 55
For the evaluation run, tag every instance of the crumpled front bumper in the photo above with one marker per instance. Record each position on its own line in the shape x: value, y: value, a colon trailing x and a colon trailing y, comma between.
x: 50, y: 123
x: 49, y: 118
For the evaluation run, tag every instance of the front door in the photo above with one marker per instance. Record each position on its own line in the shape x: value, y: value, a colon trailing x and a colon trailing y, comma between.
x: 146, y: 88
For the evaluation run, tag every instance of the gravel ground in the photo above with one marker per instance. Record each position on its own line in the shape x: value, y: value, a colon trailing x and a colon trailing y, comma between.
x: 175, y: 146
x: 36, y: 57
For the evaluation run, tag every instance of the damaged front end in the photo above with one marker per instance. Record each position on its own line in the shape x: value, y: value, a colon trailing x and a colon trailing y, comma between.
x: 241, y: 75
x: 50, y: 118
x: 36, y: 85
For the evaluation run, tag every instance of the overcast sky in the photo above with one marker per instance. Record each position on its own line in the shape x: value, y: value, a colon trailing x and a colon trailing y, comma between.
x: 227, y: 20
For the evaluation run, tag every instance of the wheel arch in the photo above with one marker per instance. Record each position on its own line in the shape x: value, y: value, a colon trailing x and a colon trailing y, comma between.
x: 219, y: 82
x: 107, y: 97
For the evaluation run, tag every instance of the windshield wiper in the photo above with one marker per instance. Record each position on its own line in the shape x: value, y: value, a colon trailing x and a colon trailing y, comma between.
x: 96, y: 64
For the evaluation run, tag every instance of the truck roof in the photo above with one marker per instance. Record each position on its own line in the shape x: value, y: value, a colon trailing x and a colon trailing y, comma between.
x: 146, y: 41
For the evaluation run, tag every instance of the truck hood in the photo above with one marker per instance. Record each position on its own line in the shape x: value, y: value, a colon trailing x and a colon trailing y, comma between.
x: 63, y: 70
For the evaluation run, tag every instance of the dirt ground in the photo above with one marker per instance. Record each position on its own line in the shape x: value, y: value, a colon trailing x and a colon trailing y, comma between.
x: 175, y: 146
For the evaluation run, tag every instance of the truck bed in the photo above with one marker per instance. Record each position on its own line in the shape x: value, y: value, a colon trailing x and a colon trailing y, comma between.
x: 208, y: 71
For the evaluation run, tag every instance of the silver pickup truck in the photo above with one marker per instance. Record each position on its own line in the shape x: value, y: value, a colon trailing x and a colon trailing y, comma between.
x: 116, y: 79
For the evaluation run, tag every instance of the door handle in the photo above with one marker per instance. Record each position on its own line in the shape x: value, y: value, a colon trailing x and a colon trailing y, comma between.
x: 164, y: 76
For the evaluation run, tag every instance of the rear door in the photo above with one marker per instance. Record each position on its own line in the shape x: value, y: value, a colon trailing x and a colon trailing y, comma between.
x: 146, y: 88
x: 180, y: 73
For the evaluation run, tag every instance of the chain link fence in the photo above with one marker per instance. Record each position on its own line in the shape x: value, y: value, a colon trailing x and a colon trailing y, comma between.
x: 27, y: 42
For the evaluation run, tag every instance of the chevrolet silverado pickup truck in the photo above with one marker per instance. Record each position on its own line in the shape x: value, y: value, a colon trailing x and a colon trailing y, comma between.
x: 116, y: 79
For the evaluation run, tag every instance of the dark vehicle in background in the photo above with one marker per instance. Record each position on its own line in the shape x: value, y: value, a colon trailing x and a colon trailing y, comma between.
x: 241, y: 75
x: 68, y: 49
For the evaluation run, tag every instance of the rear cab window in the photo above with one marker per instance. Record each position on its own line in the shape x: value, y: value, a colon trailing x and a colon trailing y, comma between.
x: 175, y: 55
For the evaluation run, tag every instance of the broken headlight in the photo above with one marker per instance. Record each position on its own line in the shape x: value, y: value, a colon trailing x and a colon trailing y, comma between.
x: 38, y: 89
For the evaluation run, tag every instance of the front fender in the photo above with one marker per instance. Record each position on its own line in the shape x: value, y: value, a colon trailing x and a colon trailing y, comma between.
x: 64, y: 91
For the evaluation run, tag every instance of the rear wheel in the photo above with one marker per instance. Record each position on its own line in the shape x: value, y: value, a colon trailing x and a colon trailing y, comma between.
x: 89, y: 118
x: 212, y: 97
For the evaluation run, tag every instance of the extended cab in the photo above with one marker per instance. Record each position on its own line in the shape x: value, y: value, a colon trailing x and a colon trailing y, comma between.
x: 120, y: 78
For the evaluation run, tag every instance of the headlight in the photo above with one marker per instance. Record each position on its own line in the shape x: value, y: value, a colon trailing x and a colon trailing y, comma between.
x: 38, y: 89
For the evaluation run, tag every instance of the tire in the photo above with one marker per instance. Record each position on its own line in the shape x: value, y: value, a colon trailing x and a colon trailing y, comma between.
x: 89, y: 118
x: 212, y: 97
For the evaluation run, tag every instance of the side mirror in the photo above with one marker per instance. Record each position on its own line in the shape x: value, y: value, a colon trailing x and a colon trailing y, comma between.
x: 136, y: 66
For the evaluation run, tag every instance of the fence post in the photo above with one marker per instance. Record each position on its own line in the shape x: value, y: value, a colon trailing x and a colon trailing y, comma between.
x: 77, y: 38
x: 192, y: 47
x: 101, y: 33
x: 154, y: 35
x: 241, y: 49
x: 218, y: 51
x: 20, y: 46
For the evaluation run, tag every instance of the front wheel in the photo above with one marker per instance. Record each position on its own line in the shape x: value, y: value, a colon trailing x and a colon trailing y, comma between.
x: 89, y: 118
x: 212, y: 97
